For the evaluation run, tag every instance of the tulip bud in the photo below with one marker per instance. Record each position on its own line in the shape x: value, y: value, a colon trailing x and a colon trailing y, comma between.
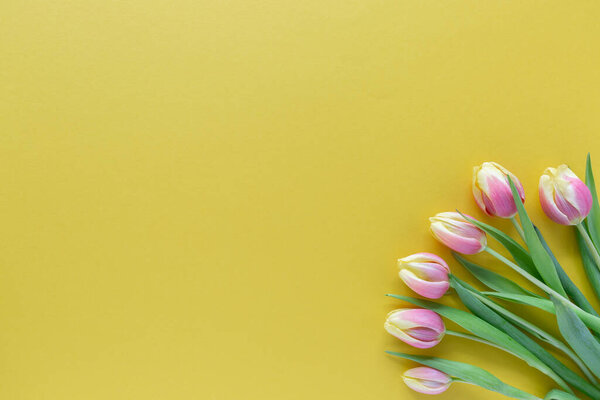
x: 564, y: 197
x: 454, y: 231
x: 418, y: 327
x: 492, y: 190
x: 426, y: 274
x: 427, y: 380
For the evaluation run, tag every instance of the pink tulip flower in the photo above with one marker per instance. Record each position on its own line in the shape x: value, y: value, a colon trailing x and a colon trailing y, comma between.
x: 426, y: 274
x: 427, y: 380
x: 417, y: 327
x: 454, y: 231
x: 564, y: 197
x: 492, y: 190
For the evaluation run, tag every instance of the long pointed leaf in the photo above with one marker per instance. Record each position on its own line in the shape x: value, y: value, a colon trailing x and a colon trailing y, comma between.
x: 572, y: 290
x: 541, y: 259
x: 591, y: 270
x: 481, y: 310
x: 577, y: 335
x: 591, y: 321
x: 470, y: 374
x: 560, y: 395
x: 593, y: 219
x: 533, y: 330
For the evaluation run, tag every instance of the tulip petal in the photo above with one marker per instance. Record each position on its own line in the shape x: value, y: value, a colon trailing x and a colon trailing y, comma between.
x: 500, y: 198
x: 565, y: 207
x: 423, y: 334
x: 546, y: 191
x: 426, y: 257
x: 579, y: 195
x: 461, y: 244
x: 429, y: 289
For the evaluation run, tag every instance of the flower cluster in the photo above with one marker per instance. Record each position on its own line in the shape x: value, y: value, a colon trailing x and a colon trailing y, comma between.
x: 566, y: 200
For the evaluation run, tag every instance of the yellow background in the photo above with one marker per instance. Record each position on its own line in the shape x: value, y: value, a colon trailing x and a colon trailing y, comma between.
x: 206, y: 199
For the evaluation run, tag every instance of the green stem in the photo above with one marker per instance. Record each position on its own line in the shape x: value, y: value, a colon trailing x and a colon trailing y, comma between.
x: 525, y: 274
x: 589, y: 244
x: 513, y: 219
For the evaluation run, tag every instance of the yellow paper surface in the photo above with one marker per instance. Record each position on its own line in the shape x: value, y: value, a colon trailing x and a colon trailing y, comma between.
x: 206, y: 199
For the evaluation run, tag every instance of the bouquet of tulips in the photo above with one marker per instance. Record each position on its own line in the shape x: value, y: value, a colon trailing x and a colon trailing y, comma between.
x: 567, y: 201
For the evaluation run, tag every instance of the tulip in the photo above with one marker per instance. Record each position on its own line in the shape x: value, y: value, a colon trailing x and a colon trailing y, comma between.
x: 564, y: 197
x: 426, y: 274
x: 492, y: 191
x: 454, y: 231
x: 427, y: 380
x: 418, y: 327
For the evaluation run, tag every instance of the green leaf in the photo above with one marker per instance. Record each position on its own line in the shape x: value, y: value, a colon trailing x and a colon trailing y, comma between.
x: 560, y: 395
x: 572, y: 290
x: 537, y: 302
x: 484, y: 330
x: 487, y: 314
x: 468, y: 373
x: 593, y: 219
x: 577, y: 335
x: 534, y: 330
x: 491, y: 279
x: 541, y: 259
x: 515, y: 319
x: 589, y: 266
x: 518, y: 253
x: 591, y: 321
